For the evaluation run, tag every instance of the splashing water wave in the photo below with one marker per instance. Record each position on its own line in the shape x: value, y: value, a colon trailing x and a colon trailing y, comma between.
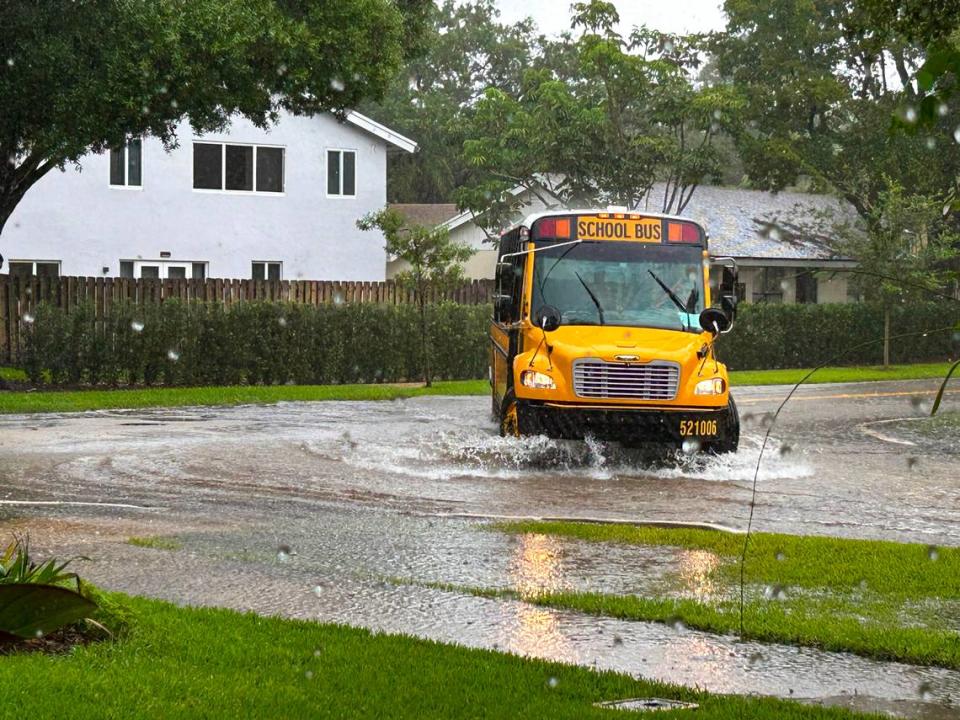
x: 479, y: 454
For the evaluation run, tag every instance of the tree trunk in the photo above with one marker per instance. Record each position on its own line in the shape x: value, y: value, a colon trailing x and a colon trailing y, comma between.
x: 886, y: 337
x: 425, y: 342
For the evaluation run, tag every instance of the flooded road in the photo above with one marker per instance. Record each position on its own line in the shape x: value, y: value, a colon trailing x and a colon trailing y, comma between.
x: 369, y: 496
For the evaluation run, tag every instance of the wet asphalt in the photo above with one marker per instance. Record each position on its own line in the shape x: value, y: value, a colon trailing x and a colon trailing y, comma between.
x: 376, y: 500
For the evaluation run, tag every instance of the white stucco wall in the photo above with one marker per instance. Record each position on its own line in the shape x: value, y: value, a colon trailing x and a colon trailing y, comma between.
x: 78, y: 219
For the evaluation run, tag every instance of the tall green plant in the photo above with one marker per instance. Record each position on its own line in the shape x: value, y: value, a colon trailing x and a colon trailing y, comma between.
x: 434, y: 264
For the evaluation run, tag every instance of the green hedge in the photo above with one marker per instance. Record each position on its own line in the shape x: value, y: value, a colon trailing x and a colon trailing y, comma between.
x: 207, y: 344
x: 769, y: 336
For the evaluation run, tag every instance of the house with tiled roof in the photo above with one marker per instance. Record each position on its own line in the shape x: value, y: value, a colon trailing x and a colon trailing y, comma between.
x: 781, y: 241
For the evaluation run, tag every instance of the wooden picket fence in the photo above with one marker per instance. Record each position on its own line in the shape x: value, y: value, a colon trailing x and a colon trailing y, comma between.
x: 19, y: 296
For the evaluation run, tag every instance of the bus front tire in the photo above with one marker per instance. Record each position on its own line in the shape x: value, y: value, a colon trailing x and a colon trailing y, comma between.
x: 509, y: 416
x: 731, y: 440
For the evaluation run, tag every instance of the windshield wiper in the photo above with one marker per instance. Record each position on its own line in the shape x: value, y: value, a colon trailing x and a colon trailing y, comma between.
x: 670, y: 293
x: 592, y: 297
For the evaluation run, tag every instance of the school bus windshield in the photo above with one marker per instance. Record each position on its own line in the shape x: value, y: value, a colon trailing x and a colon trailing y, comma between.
x: 621, y: 283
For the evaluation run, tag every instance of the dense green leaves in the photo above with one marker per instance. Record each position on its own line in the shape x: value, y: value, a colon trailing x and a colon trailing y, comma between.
x: 30, y: 610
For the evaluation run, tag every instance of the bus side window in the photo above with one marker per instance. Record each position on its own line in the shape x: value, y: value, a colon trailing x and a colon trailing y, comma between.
x: 507, y: 297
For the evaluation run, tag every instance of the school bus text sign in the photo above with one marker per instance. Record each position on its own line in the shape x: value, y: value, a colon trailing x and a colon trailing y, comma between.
x: 640, y: 230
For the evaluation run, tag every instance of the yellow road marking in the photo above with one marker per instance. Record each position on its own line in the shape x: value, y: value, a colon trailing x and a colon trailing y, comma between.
x: 844, y: 396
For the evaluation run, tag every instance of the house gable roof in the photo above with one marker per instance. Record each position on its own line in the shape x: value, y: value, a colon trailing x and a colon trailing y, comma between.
x: 381, y: 131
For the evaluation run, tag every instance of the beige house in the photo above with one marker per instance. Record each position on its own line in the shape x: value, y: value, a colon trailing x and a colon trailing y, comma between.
x: 778, y: 240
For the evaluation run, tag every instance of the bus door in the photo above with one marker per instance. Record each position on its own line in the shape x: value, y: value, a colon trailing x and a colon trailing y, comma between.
x: 504, y: 335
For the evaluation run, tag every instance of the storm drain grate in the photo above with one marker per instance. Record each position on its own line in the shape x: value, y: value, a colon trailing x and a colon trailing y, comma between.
x: 647, y: 705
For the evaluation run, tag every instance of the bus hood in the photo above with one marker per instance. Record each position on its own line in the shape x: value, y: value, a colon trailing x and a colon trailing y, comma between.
x: 624, y: 344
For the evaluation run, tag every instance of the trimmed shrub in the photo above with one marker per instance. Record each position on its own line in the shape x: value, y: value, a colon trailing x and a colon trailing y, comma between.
x: 275, y: 343
x: 790, y: 336
x: 254, y: 343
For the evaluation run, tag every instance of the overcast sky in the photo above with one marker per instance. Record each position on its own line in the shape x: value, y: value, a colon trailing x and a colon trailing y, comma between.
x: 678, y: 16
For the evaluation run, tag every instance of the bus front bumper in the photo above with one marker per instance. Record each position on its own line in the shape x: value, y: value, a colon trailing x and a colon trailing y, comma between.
x: 626, y: 425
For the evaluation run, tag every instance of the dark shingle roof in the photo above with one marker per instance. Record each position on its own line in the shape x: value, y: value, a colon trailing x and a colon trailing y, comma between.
x: 756, y: 224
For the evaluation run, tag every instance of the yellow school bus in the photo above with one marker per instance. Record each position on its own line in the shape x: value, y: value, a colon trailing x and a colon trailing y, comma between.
x: 603, y: 326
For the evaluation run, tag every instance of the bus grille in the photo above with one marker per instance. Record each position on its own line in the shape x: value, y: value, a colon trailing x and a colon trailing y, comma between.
x: 657, y: 380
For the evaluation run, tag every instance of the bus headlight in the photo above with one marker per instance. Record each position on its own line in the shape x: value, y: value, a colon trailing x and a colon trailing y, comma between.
x: 713, y: 386
x: 536, y: 379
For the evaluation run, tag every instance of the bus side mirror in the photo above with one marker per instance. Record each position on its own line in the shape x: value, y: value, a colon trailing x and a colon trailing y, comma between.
x: 715, y: 321
x: 502, y: 307
x: 548, y: 318
x: 728, y: 303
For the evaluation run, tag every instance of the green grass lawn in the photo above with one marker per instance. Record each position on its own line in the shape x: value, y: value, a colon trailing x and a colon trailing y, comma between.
x: 79, y: 400
x: 880, y: 599
x: 189, y: 663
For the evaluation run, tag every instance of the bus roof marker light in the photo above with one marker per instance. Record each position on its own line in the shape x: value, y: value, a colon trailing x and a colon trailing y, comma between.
x: 681, y: 232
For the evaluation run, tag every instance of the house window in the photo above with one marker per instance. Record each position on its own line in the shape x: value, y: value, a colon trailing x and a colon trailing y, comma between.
x: 266, y: 270
x: 38, y: 268
x: 163, y: 269
x: 807, y: 286
x: 342, y: 173
x: 126, y: 164
x: 768, y: 285
x: 237, y: 168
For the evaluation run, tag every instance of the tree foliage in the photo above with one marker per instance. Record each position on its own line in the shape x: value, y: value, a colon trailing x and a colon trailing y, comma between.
x: 84, y: 75
x: 614, y: 116
x: 467, y: 50
x: 820, y: 82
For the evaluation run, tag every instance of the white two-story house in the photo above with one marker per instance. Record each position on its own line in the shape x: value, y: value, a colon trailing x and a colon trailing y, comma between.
x: 246, y: 203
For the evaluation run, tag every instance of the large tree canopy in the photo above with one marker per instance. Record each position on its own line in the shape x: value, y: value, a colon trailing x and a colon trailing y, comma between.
x: 821, y: 82
x: 83, y: 75
x: 601, y: 125
x: 467, y: 50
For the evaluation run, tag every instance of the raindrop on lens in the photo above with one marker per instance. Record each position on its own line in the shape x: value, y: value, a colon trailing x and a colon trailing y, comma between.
x: 933, y: 553
x: 136, y: 326
x: 317, y: 590
x: 956, y: 134
x: 910, y: 114
x: 781, y: 557
x: 755, y: 658
x: 173, y: 355
x: 931, y: 143
x: 911, y: 462
x: 308, y: 674
x: 690, y: 446
x: 317, y: 653
x: 774, y: 592
x: 337, y: 84
x: 942, y: 109
x: 284, y: 552
x: 552, y: 682
x: 282, y: 321
x: 338, y: 299
x: 785, y: 449
x: 925, y: 691
x: 617, y: 640
x: 10, y: 62
x: 28, y: 318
